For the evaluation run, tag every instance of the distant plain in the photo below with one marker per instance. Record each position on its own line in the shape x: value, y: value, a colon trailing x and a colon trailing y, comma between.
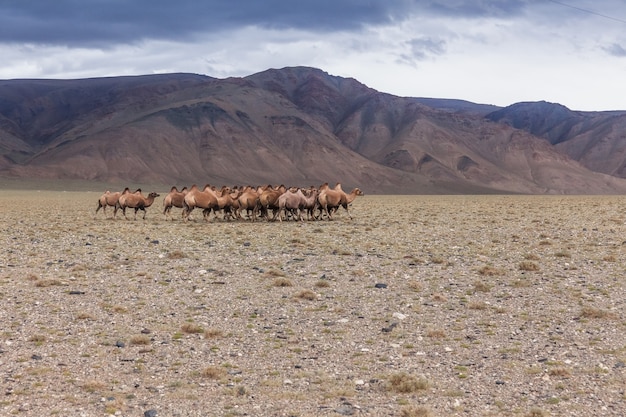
x: 419, y: 306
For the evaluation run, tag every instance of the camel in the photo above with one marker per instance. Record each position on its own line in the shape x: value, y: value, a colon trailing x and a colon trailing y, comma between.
x: 224, y: 200
x: 135, y: 201
x: 310, y: 202
x: 109, y: 199
x: 268, y: 200
x: 331, y: 199
x: 248, y: 200
x: 295, y: 202
x: 228, y: 201
x: 205, y: 199
x: 174, y: 198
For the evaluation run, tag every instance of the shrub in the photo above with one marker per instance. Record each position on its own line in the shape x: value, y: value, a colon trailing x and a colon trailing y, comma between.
x: 489, y: 271
x: 406, y: 384
x: 528, y: 266
x: 307, y: 295
x: 213, y: 372
x: 416, y: 412
x: 282, y: 282
x: 140, y: 340
x: 191, y: 328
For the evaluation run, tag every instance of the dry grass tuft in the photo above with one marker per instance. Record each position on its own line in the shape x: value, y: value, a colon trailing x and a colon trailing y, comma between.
x: 213, y: 372
x: 37, y: 339
x: 416, y: 412
x: 405, y: 383
x: 47, y: 283
x: 83, y: 315
x: 176, y: 255
x: 560, y: 372
x: 213, y: 333
x: 439, y: 297
x: 589, y: 312
x: 140, y: 340
x: 306, y: 295
x: 94, y: 386
x: 480, y: 286
x: 191, y: 328
x: 478, y: 305
x: 490, y: 271
x: 536, y: 412
x: 528, y: 266
x: 274, y: 273
x: 437, y: 260
x: 436, y: 333
x: 282, y: 282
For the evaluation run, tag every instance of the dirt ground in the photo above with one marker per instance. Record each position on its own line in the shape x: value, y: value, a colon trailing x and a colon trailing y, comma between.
x: 419, y: 306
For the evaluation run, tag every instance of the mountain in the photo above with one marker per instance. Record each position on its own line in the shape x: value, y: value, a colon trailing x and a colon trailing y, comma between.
x: 296, y: 125
x: 595, y: 139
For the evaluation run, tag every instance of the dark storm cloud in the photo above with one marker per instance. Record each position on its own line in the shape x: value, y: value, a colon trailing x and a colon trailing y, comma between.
x: 106, y: 22
x: 77, y: 22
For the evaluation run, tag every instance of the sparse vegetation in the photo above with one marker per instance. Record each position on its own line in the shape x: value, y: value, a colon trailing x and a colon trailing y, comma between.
x: 213, y: 372
x: 282, y: 282
x: 140, y: 340
x: 191, y: 328
x: 306, y: 295
x: 406, y: 383
x: 260, y: 316
x: 590, y: 312
x: 528, y: 266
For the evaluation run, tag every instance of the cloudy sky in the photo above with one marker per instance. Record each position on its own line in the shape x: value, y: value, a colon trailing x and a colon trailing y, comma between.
x: 499, y: 52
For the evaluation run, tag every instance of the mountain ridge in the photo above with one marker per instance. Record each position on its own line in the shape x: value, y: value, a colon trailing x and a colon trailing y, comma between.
x: 296, y: 125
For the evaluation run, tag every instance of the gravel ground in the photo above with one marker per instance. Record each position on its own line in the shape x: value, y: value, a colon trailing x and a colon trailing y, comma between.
x: 419, y: 306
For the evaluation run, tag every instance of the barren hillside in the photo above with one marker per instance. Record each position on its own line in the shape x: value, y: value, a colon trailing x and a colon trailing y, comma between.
x: 297, y: 125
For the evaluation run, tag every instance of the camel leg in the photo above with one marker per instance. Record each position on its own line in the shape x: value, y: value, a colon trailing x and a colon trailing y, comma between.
x: 186, y: 212
x: 347, y: 211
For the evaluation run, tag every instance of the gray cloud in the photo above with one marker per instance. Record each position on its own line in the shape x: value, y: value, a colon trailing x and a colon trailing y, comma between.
x: 77, y: 22
x: 616, y: 50
x: 421, y: 48
x: 102, y: 22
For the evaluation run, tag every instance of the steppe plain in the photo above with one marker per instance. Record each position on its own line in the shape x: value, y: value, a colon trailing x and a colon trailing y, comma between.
x: 418, y: 306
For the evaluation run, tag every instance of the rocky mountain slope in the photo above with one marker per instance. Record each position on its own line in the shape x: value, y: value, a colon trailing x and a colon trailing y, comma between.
x: 596, y: 139
x: 298, y: 126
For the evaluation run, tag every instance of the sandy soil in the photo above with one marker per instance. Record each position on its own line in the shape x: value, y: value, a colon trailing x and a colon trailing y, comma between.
x: 419, y: 306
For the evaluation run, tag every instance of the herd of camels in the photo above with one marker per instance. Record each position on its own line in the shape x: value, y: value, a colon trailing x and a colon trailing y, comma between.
x: 283, y: 203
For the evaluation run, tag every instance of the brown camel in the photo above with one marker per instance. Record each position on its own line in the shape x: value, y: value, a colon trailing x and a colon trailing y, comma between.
x: 135, y: 201
x: 205, y: 199
x: 174, y: 198
x: 331, y: 199
x: 109, y: 199
x: 268, y: 200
